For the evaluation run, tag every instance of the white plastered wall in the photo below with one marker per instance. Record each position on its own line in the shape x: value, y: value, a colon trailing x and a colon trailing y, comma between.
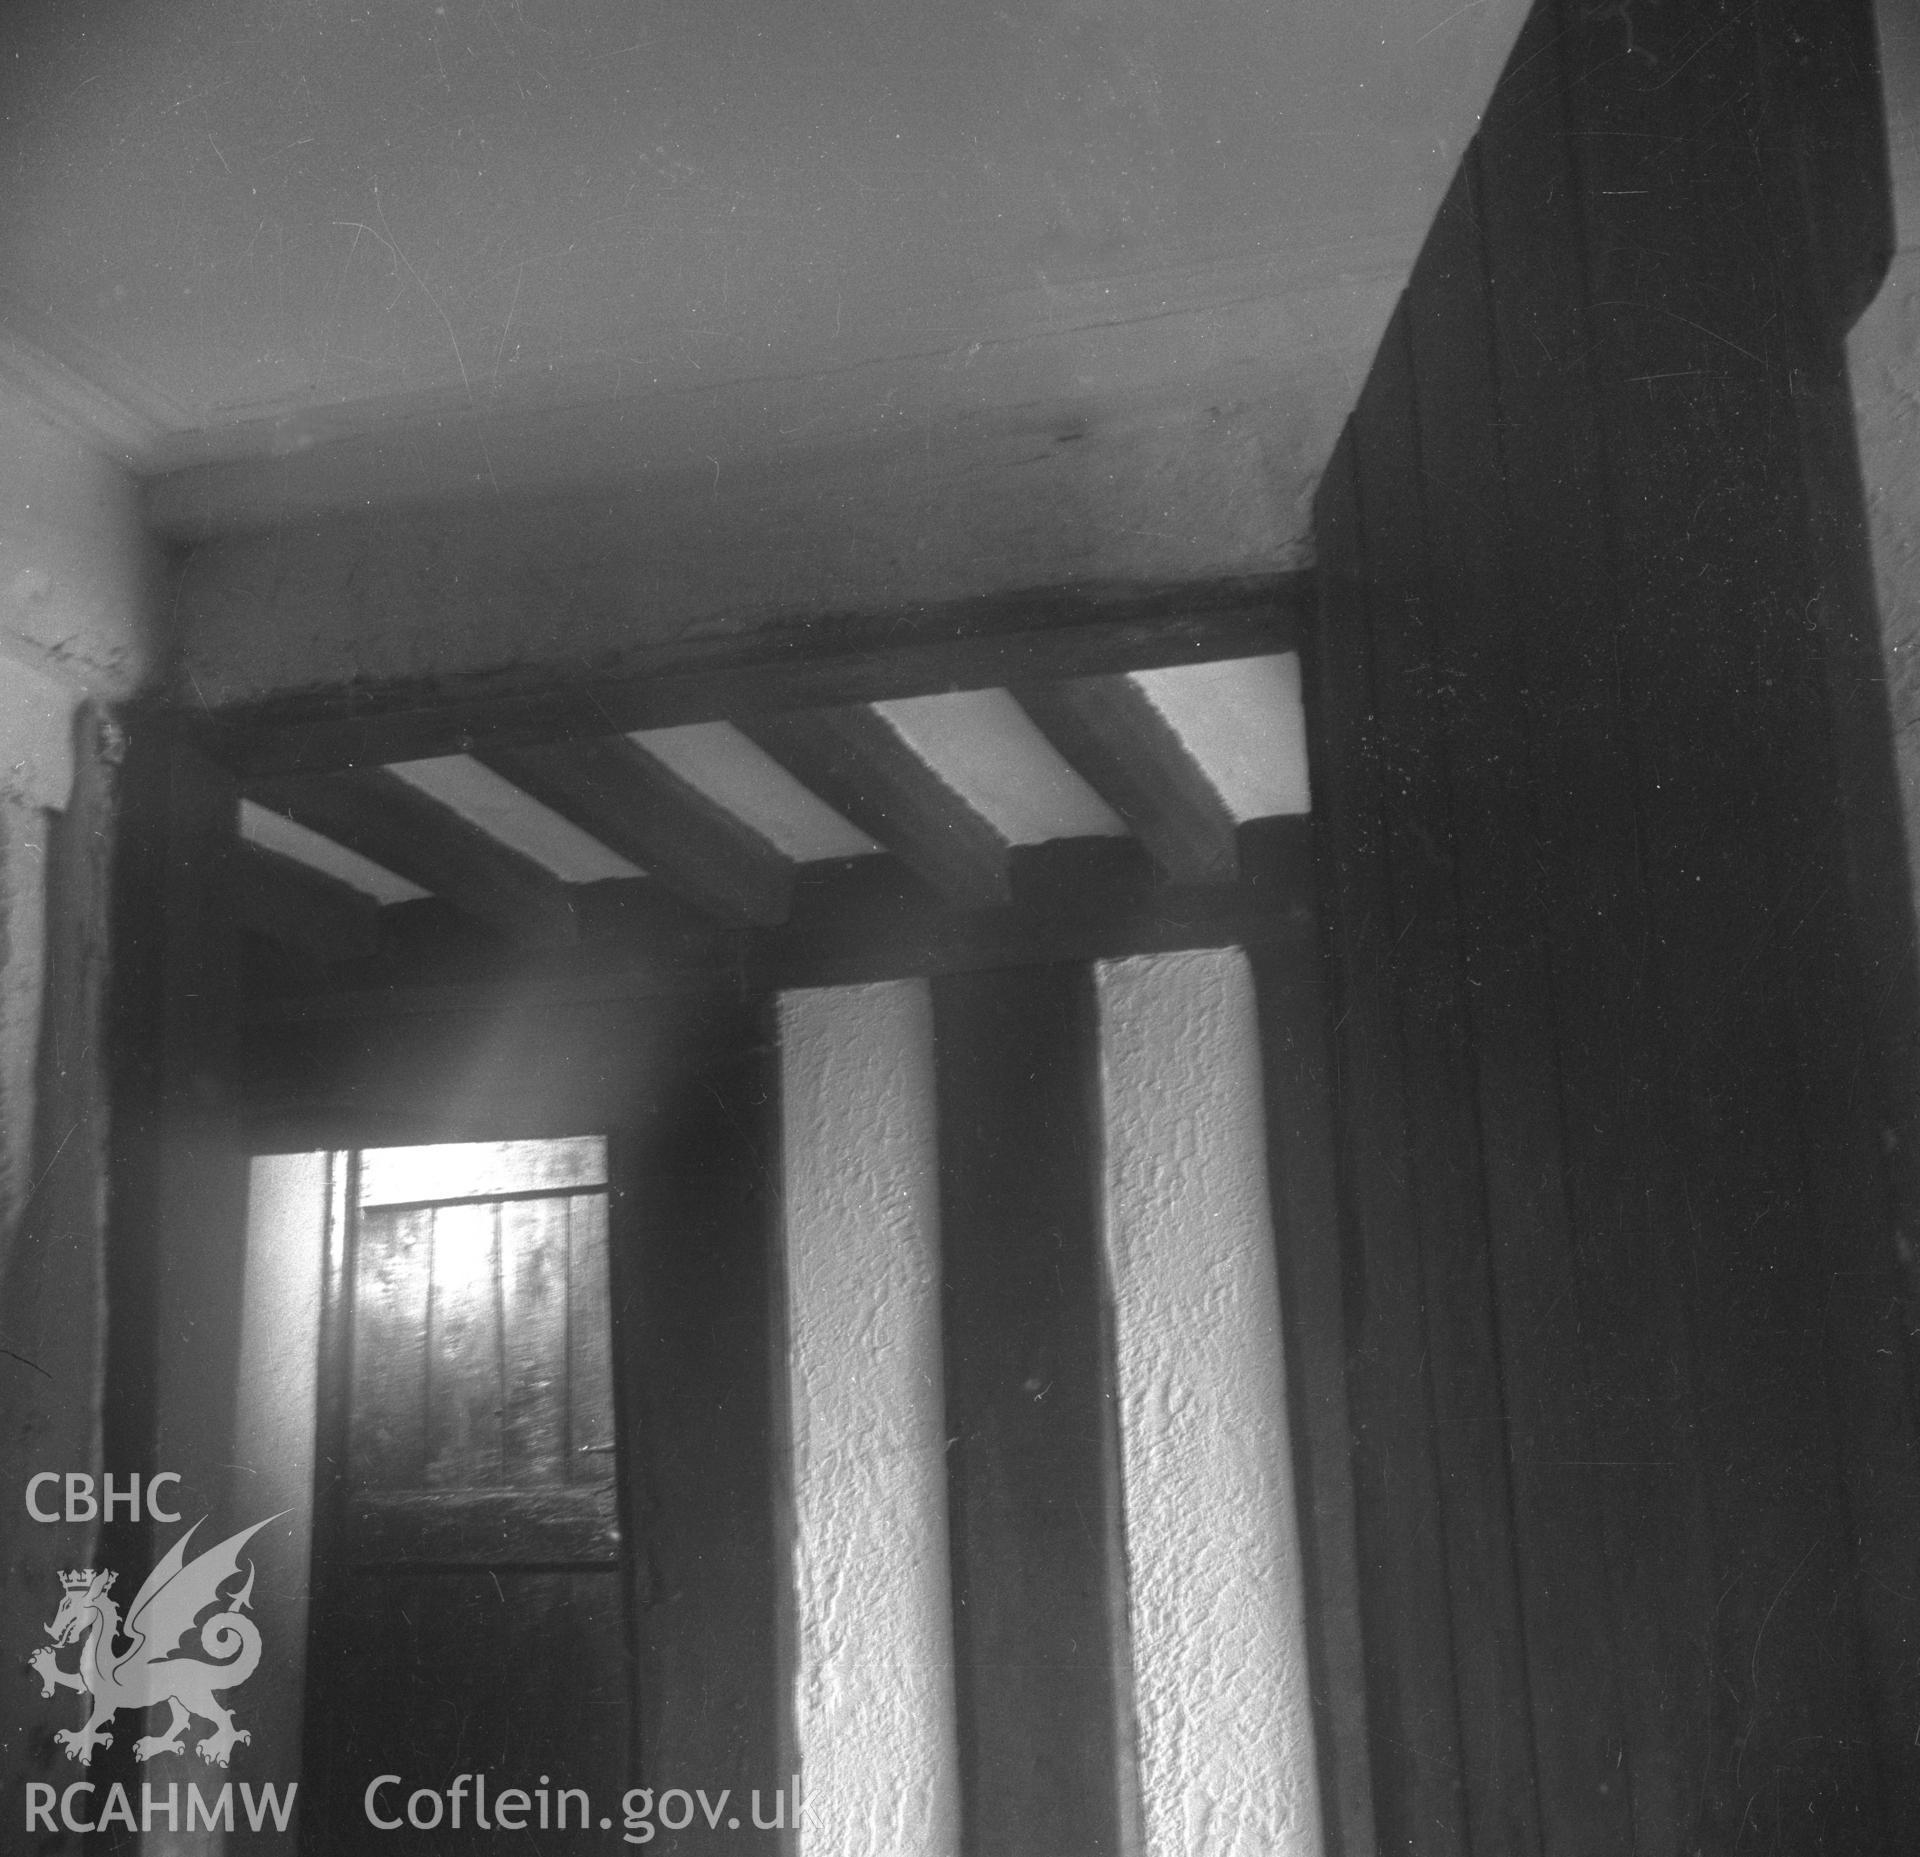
x: 76, y: 579
x: 874, y: 1697
x: 75, y: 611
x: 1215, y: 1602
x: 1214, y: 1574
x: 1213, y: 1557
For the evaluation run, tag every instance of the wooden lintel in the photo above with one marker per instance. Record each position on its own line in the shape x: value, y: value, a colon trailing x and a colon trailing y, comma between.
x: 976, y: 644
x: 1133, y: 757
x: 863, y: 768
x: 379, y: 815
x: 301, y: 908
x: 636, y: 805
x: 866, y: 919
x: 1075, y: 900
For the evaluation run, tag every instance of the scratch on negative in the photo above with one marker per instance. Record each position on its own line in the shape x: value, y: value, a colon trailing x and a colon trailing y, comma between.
x: 460, y: 360
x: 1753, y: 1667
x: 53, y: 1160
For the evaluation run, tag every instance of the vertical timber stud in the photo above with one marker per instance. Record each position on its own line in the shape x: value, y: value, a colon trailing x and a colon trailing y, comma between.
x: 177, y: 1176
x: 1833, y: 81
x: 1494, y: 992
x: 1625, y: 1003
x: 1711, y: 321
x: 1446, y: 1214
x: 698, y: 1334
x: 1412, y: 1706
x: 1605, y: 1425
x: 176, y: 1168
x: 1302, y: 1184
x: 1034, y: 1524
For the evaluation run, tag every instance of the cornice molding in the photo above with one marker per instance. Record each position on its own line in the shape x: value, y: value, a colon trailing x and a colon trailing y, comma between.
x: 72, y: 399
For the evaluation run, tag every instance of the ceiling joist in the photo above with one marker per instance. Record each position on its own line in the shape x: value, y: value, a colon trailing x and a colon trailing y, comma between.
x: 855, y: 761
x: 299, y: 907
x: 1121, y: 745
x: 381, y: 817
x: 635, y: 805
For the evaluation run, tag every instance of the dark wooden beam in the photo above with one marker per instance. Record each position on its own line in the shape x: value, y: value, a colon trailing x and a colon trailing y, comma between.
x: 1133, y: 757
x: 315, y: 1061
x: 1033, y: 1499
x: 1303, y: 1181
x: 379, y: 815
x: 1525, y: 1273
x: 176, y: 1175
x: 1616, y: 1136
x: 832, y: 659
x: 698, y: 1330
x: 1413, y: 1708
x: 855, y: 761
x: 301, y: 908
x: 1078, y: 900
x: 1435, y: 1267
x: 636, y: 805
x: 867, y: 919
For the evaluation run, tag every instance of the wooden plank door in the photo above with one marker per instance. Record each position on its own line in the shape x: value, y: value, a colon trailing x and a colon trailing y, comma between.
x: 469, y: 1616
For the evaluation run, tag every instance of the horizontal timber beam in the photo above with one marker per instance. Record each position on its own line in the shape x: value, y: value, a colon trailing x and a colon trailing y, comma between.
x: 1133, y: 757
x: 866, y: 919
x: 984, y: 643
x: 857, y: 762
x: 301, y: 908
x: 634, y: 804
x: 380, y: 816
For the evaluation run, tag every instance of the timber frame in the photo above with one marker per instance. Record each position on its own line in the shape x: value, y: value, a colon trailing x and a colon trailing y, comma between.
x: 1594, y: 1074
x: 1042, y: 634
x: 929, y: 906
x: 542, y: 1008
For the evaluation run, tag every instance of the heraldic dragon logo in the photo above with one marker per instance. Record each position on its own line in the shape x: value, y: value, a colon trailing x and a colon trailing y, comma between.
x: 145, y: 1671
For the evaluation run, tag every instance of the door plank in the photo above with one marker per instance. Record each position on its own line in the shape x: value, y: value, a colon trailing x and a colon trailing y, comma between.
x: 484, y: 1527
x: 589, y: 1440
x: 533, y: 1320
x: 465, y: 1394
x: 388, y: 1429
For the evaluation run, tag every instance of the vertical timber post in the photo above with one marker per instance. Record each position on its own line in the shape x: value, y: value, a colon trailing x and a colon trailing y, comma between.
x: 1034, y: 1517
x: 1624, y: 992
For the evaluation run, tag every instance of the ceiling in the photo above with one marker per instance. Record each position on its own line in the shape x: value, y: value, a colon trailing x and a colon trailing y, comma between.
x: 407, y: 251
x: 258, y: 226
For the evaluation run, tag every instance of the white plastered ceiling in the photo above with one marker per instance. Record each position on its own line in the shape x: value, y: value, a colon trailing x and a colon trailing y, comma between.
x: 939, y: 302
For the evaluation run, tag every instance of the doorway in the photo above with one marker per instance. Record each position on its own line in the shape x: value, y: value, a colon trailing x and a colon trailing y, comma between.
x: 469, y: 1651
